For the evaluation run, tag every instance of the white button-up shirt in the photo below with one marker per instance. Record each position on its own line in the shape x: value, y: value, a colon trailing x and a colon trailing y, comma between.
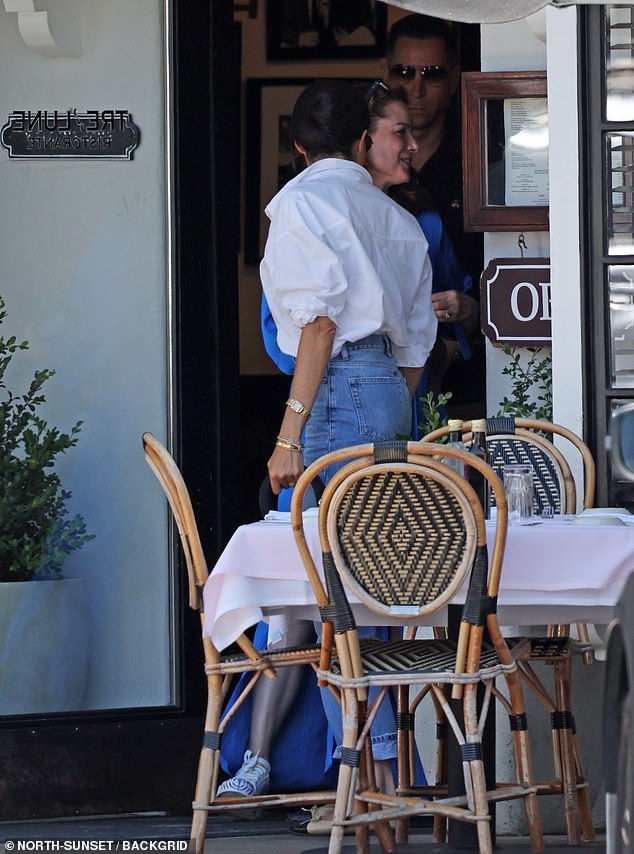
x: 339, y: 247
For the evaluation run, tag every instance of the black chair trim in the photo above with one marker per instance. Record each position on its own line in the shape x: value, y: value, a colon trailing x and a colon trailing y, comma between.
x: 405, y: 721
x: 390, y: 451
x: 338, y: 610
x: 518, y: 722
x: 505, y: 424
x: 562, y: 720
x: 442, y: 730
x: 471, y: 751
x: 199, y: 596
x: 350, y: 756
x: 478, y: 604
x: 212, y: 740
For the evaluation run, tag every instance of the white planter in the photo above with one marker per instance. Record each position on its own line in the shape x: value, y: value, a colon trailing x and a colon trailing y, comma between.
x: 44, y: 646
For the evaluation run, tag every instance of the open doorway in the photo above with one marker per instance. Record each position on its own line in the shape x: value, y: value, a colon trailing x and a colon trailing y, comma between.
x: 263, y: 390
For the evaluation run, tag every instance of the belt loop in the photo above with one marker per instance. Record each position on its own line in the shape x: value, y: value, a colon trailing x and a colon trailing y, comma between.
x: 344, y: 353
x: 387, y: 343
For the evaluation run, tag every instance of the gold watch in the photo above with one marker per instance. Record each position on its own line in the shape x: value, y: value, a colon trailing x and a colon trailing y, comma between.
x: 298, y: 407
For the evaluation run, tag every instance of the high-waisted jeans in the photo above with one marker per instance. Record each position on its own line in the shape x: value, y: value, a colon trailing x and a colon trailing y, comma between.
x: 363, y: 398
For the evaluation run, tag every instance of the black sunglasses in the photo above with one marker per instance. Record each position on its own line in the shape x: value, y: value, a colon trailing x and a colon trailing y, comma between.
x: 430, y: 73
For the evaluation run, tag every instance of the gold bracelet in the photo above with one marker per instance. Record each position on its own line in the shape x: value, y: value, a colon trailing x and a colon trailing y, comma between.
x: 298, y: 407
x: 289, y: 444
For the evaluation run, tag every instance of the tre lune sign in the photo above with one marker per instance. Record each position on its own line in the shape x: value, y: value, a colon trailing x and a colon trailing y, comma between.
x: 515, y: 301
x: 107, y: 134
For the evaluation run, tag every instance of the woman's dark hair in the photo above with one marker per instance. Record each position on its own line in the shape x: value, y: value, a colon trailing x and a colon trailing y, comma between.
x: 328, y: 117
x: 413, y: 197
x: 381, y: 98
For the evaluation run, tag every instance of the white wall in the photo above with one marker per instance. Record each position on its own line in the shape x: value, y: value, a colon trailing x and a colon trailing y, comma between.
x: 83, y: 273
x: 564, y: 220
x: 517, y: 46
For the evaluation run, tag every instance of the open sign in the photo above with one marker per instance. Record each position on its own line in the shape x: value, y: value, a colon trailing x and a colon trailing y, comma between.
x: 515, y: 301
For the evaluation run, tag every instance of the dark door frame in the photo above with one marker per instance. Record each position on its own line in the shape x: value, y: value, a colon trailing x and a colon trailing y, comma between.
x: 130, y: 760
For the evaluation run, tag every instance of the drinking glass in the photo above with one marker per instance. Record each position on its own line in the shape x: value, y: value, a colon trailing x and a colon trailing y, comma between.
x: 518, y: 486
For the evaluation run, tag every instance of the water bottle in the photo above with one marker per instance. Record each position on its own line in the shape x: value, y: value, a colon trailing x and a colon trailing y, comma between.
x: 455, y: 441
x: 479, y: 447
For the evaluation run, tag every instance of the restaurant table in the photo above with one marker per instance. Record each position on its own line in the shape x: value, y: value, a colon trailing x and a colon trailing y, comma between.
x: 561, y: 570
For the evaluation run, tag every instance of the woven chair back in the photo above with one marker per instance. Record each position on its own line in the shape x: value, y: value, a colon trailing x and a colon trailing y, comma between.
x: 551, y: 472
x: 528, y: 440
x: 403, y: 536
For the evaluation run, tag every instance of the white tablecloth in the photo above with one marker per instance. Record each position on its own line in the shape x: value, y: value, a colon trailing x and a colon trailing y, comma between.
x: 555, y: 571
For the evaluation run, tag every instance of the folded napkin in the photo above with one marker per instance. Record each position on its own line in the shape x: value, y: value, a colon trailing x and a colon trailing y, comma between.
x: 285, y: 517
x: 605, y: 516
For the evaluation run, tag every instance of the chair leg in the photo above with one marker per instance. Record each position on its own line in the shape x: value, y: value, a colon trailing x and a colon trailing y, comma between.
x: 367, y: 781
x: 439, y: 832
x: 208, y: 764
x: 563, y: 723
x: 345, y: 797
x: 587, y: 827
x: 576, y: 803
x: 202, y: 795
x: 521, y: 751
x: 404, y: 736
x: 343, y: 788
x: 475, y: 781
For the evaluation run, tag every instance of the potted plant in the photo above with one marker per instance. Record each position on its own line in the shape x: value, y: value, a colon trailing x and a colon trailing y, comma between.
x: 36, y: 535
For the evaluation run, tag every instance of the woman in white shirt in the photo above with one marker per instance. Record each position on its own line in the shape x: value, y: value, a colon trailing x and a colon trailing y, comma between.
x: 348, y: 281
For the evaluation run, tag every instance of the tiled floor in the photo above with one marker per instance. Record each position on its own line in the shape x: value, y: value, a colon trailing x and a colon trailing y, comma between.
x: 228, y: 835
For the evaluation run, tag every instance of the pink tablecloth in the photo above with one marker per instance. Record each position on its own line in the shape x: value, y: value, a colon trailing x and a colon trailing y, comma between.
x: 556, y: 571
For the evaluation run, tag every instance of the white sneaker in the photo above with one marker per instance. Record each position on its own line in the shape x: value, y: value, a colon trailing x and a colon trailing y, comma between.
x: 252, y: 778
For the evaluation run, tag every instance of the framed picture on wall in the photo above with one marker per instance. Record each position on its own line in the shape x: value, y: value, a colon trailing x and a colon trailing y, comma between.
x: 325, y: 29
x: 270, y: 159
x: 505, y: 151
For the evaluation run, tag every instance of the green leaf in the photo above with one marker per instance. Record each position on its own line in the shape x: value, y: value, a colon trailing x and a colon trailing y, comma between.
x: 37, y: 535
x: 532, y: 395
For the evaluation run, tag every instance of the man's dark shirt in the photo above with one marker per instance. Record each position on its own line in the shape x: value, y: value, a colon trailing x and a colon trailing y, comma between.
x: 441, y: 176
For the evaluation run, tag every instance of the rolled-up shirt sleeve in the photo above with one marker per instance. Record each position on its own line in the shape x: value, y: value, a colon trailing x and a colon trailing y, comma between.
x: 302, y: 276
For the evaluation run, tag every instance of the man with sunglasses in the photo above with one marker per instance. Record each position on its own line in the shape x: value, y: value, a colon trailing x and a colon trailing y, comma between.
x: 422, y: 57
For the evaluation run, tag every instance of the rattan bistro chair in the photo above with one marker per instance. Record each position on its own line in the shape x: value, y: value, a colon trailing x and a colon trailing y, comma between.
x: 404, y: 533
x: 522, y: 440
x: 220, y: 669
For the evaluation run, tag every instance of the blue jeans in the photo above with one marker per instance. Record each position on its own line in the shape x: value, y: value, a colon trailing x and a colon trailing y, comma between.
x: 363, y: 398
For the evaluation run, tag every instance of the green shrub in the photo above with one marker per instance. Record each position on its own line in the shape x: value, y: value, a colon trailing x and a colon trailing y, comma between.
x: 433, y: 416
x: 532, y: 384
x: 35, y: 531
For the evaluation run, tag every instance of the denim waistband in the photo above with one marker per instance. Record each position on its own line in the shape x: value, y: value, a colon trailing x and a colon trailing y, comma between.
x: 372, y: 342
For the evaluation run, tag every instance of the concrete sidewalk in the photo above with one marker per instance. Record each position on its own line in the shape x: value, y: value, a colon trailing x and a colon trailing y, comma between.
x: 229, y: 835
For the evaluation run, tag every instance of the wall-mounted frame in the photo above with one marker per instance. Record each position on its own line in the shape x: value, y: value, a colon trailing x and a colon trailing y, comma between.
x: 269, y: 103
x: 505, y: 151
x: 325, y: 29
